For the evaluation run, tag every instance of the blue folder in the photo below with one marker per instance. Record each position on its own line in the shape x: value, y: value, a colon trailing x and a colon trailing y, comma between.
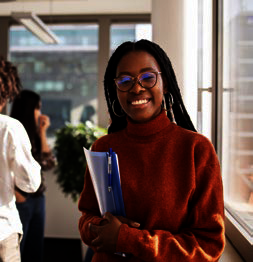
x: 108, y: 200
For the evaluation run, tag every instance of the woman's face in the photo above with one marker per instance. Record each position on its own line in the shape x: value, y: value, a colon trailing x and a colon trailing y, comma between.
x: 37, y: 114
x: 140, y: 104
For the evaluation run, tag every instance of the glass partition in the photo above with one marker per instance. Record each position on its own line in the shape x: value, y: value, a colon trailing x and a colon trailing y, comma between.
x: 237, y: 114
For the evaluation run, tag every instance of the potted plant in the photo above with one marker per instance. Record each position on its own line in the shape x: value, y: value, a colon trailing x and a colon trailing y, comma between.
x: 71, y: 165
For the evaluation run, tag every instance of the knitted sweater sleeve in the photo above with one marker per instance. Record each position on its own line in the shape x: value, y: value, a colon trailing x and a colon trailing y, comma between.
x: 90, y: 214
x: 202, y: 236
x: 89, y: 207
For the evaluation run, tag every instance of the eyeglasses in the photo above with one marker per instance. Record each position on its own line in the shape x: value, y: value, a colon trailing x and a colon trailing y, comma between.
x: 146, y: 80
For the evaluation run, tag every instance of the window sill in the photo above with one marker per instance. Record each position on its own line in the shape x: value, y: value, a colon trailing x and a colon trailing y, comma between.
x: 238, y: 237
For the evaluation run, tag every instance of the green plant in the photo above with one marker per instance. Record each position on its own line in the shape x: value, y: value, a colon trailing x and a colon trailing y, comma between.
x: 71, y: 165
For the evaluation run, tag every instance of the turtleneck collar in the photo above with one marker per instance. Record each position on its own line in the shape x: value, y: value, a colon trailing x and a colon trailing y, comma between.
x: 148, y: 128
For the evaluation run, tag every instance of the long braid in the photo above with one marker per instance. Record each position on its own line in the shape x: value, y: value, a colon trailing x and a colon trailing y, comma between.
x: 117, y: 123
x: 181, y: 115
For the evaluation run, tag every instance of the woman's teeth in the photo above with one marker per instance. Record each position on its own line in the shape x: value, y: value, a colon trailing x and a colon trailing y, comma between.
x: 140, y: 102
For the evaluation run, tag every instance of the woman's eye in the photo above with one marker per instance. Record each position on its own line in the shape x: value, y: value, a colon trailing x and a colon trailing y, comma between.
x: 147, y: 77
x: 125, y: 80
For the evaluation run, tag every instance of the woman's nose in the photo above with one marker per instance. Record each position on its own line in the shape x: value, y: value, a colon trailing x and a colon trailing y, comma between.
x: 137, y: 88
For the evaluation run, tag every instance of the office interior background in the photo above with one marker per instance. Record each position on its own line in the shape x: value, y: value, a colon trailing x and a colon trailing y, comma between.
x: 210, y: 43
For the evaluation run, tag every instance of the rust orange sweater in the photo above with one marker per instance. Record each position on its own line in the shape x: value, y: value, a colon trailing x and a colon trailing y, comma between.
x: 171, y: 185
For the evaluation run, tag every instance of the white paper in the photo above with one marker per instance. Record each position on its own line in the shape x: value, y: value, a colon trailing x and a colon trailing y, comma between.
x: 98, y: 167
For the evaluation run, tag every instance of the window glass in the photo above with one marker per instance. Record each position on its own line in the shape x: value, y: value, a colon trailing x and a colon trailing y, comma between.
x: 65, y: 74
x: 120, y: 33
x: 237, y: 115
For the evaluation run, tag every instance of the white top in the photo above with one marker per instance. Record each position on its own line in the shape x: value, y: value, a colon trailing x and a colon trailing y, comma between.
x: 17, y: 167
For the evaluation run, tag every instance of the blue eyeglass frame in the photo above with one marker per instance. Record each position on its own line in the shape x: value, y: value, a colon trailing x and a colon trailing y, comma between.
x: 136, y: 78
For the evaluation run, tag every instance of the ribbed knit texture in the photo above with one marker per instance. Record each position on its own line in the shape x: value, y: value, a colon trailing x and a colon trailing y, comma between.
x: 171, y: 184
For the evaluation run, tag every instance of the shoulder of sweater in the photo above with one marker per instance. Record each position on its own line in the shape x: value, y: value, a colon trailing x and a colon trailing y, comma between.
x: 200, y: 146
x: 104, y: 141
x: 203, y: 149
x: 189, y: 135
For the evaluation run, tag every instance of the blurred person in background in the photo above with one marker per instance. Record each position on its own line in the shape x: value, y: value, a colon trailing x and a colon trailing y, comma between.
x: 18, y: 167
x: 27, y: 109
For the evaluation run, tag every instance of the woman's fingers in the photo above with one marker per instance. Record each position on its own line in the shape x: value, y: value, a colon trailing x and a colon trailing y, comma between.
x: 129, y: 222
x: 44, y: 121
x: 107, y: 234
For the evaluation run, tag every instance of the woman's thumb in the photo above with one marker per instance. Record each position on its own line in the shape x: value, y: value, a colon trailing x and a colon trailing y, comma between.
x: 134, y: 224
x: 108, y: 216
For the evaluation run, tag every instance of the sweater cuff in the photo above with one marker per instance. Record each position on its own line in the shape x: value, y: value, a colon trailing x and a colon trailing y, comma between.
x: 86, y: 234
x: 126, y: 239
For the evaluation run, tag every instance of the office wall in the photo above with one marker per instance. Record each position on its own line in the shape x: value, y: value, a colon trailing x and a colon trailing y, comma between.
x: 175, y: 30
x: 61, y: 212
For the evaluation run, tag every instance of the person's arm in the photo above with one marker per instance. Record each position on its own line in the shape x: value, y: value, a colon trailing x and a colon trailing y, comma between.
x: 202, y: 237
x: 90, y: 211
x: 91, y: 215
x: 25, y: 168
x: 47, y: 159
x: 44, y: 123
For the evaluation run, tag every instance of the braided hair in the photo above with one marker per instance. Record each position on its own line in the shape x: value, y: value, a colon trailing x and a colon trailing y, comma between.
x: 10, y: 83
x: 180, y: 113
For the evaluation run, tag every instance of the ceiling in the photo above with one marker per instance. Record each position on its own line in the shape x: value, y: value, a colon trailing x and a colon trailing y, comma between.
x: 67, y: 7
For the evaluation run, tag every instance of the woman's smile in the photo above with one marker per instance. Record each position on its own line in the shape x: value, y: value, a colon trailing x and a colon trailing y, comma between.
x: 140, y: 102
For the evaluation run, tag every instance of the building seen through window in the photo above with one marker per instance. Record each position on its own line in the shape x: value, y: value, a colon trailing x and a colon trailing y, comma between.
x: 66, y: 74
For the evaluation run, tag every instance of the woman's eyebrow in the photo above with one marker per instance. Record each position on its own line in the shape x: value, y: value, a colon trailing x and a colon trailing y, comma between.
x: 124, y: 73
x: 147, y: 69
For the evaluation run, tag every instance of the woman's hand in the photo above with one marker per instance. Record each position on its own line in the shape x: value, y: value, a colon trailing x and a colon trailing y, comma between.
x: 19, y: 197
x: 44, y: 123
x: 107, y: 232
x: 127, y: 221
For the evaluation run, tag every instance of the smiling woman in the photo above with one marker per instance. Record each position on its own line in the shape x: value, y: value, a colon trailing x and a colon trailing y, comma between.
x: 174, y: 212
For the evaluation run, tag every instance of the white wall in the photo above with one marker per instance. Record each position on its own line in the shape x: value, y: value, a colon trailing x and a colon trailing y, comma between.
x: 167, y: 21
x: 61, y: 212
x: 175, y: 30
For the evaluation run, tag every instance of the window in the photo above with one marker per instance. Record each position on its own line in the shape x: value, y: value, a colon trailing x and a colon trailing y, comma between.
x: 229, y: 65
x: 237, y: 113
x: 65, y: 75
x: 129, y: 32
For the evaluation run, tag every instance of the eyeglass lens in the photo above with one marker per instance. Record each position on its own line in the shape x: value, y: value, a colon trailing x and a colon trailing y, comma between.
x: 147, y: 80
